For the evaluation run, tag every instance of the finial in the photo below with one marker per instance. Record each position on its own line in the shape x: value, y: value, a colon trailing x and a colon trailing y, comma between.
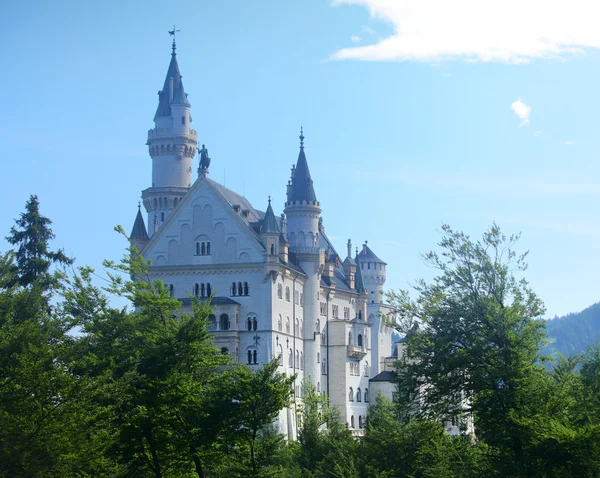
x: 172, y: 32
x: 139, y: 204
x: 269, y: 199
x: 301, y: 138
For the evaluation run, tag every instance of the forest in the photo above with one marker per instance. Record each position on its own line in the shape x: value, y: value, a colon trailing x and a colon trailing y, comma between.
x: 90, y: 389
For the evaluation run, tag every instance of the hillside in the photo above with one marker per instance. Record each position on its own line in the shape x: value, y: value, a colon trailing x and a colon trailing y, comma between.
x: 573, y: 333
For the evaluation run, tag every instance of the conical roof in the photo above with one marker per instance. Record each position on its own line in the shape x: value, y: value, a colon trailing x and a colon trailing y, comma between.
x: 269, y: 223
x: 139, y: 228
x: 164, y: 103
x: 358, y: 279
x: 367, y: 255
x: 180, y: 97
x: 302, y: 186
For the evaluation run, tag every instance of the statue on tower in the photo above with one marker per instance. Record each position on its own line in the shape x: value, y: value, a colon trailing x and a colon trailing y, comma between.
x: 204, y: 158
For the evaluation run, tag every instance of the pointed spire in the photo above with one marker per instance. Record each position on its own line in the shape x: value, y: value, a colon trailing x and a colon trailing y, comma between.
x: 269, y: 223
x: 139, y: 228
x: 301, y: 188
x: 170, y: 87
x: 180, y: 97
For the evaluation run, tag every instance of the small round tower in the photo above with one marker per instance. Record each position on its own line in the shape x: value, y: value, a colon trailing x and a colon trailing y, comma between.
x: 373, y: 273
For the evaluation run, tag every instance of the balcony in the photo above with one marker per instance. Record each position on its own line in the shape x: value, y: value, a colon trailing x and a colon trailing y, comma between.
x: 356, y: 351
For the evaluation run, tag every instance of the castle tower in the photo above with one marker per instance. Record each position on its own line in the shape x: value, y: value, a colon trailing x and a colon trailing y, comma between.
x: 172, y: 146
x: 302, y: 211
x: 139, y: 236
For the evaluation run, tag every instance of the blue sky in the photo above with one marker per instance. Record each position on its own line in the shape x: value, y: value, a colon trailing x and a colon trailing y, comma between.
x: 406, y: 108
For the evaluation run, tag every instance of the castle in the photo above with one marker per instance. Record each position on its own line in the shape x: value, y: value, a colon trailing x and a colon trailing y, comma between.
x: 278, y: 286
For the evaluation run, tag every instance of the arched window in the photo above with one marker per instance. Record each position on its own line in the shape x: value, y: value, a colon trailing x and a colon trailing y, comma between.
x: 352, y: 421
x: 272, y: 249
x: 202, y: 290
x: 196, y: 290
x: 301, y: 361
x: 224, y: 322
x: 360, y: 421
x: 208, y: 248
x: 280, y: 356
x: 246, y: 288
x: 360, y: 315
x: 287, y: 325
x: 297, y: 328
x: 212, y: 322
x: 224, y: 350
x: 249, y: 356
x: 359, y: 340
x: 254, y: 324
x: 366, y: 369
x: 366, y: 395
x: 203, y: 248
x: 240, y: 289
x: 287, y: 294
x: 255, y: 356
x: 279, y: 291
x: 291, y: 359
x: 297, y: 359
x: 249, y: 323
x: 351, y: 395
x: 208, y: 290
x: 349, y: 338
x: 324, y: 367
x: 280, y: 324
x: 197, y: 248
x: 358, y: 395
x: 171, y: 290
x: 318, y: 357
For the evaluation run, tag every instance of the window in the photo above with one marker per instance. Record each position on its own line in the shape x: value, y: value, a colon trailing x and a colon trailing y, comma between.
x: 323, y: 308
x: 335, y: 311
x: 291, y: 359
x: 162, y: 216
x: 366, y: 370
x: 324, y: 367
x: 249, y: 323
x: 360, y: 315
x: 212, y: 322
x: 196, y: 290
x: 197, y: 248
x: 349, y: 338
x: 224, y: 322
x: 280, y: 324
x: 279, y: 291
x: 240, y: 290
x: 171, y: 290
x: 358, y: 395
x: 233, y: 289
x: 296, y: 297
x: 202, y: 290
x: 252, y: 357
x: 297, y: 328
x: 297, y: 358
x: 287, y: 294
x: 346, y: 312
x: 272, y: 249
x: 254, y: 323
x: 318, y: 357
x: 246, y: 288
x: 351, y: 395
x: 183, y: 120
x: 301, y: 361
x: 287, y: 325
x: 352, y: 421
x: 359, y: 340
x: 366, y: 395
x: 255, y: 356
x: 208, y: 248
x: 208, y: 290
x: 224, y: 350
x: 360, y: 421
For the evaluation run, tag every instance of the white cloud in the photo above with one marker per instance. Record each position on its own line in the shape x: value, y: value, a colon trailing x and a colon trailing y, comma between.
x: 509, y: 31
x: 355, y: 39
x: 368, y: 30
x: 538, y: 133
x: 522, y: 110
x: 569, y: 142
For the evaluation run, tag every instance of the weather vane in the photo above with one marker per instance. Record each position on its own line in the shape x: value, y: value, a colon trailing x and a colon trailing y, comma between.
x: 172, y: 32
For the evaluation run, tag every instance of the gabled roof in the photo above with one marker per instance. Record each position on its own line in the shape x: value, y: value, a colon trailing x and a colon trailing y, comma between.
x: 367, y: 255
x: 302, y: 186
x: 269, y: 223
x: 385, y: 376
x: 139, y: 228
x: 164, y: 106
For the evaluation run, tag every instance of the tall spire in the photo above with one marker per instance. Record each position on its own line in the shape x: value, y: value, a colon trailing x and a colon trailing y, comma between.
x: 139, y: 228
x: 170, y: 86
x: 301, y: 187
x: 269, y: 223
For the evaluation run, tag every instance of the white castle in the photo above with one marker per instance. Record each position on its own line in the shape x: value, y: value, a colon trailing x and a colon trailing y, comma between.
x: 278, y: 286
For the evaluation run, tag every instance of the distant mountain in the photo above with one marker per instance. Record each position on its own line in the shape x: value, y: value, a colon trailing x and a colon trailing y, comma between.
x: 573, y: 333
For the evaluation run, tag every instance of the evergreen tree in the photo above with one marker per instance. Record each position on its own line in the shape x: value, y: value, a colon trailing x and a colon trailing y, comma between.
x: 31, y: 235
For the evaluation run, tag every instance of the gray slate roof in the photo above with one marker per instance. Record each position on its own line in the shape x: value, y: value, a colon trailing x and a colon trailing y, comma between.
x: 385, y: 376
x: 214, y: 301
x: 164, y: 106
x: 302, y: 185
x: 269, y: 223
x: 367, y: 255
x: 139, y: 228
x: 180, y: 96
x: 234, y: 198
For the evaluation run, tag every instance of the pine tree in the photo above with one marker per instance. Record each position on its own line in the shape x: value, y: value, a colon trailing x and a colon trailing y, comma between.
x: 31, y: 235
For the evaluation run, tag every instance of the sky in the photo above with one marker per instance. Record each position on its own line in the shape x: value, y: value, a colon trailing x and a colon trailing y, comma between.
x: 416, y: 113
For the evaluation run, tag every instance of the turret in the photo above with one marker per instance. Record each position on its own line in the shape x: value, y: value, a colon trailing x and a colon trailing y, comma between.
x: 302, y: 208
x: 350, y: 267
x: 269, y: 234
x: 139, y: 236
x: 172, y: 146
x: 373, y: 273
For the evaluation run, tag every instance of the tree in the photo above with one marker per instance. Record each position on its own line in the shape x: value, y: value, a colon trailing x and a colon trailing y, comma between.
x: 32, y: 234
x: 475, y: 347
